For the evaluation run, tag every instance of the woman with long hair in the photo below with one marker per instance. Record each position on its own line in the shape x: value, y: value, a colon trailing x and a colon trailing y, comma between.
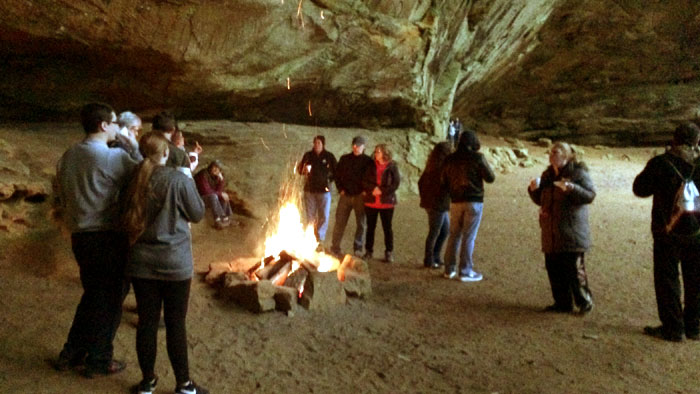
x: 436, y: 202
x: 379, y: 184
x: 563, y: 193
x: 160, y: 203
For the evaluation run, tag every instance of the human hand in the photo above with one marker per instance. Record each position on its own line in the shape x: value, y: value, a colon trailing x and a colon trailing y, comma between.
x: 197, y: 147
x: 534, y: 184
x: 563, y: 185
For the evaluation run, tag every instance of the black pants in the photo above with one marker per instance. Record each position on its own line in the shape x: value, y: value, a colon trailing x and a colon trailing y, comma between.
x: 668, y: 253
x: 101, y: 257
x: 567, y: 277
x: 172, y: 297
x: 386, y: 216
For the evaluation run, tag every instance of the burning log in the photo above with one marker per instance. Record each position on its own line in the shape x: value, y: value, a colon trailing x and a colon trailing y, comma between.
x: 297, y: 279
x: 271, y: 268
x: 279, y: 277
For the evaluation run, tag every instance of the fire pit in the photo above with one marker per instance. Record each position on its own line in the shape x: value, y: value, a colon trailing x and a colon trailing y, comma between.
x: 293, y: 272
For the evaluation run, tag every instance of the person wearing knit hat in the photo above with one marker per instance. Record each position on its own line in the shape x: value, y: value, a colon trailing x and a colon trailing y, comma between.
x: 348, y: 181
x: 675, y: 245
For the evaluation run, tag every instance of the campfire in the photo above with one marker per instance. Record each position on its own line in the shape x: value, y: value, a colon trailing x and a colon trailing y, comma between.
x: 292, y: 272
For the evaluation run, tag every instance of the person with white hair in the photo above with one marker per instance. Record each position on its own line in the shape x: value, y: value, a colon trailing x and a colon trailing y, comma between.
x: 129, y: 128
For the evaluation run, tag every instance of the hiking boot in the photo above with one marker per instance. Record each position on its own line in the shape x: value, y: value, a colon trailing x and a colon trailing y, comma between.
x: 147, y: 386
x: 190, y: 388
x: 661, y: 333
x: 472, y: 276
x: 114, y: 366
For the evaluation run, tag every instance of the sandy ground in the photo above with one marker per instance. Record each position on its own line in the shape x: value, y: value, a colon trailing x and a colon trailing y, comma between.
x: 417, y: 333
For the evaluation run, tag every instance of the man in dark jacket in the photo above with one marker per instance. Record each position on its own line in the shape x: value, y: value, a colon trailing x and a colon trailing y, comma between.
x: 661, y: 178
x: 463, y: 176
x: 318, y: 165
x: 348, y: 179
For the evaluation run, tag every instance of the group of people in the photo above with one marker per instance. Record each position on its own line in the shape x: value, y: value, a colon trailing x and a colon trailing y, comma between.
x: 129, y: 202
x: 451, y: 192
x: 365, y: 185
x: 129, y: 212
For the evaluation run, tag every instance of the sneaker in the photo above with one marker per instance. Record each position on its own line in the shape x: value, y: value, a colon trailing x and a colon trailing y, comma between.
x: 146, y: 386
x: 472, y: 276
x: 219, y: 224
x: 191, y: 388
x: 437, y: 264
x: 585, y: 309
x: 661, y: 333
x: 388, y: 257
x: 114, y: 366
x: 450, y: 275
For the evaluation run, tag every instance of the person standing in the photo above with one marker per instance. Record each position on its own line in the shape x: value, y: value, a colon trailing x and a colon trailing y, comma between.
x: 348, y: 180
x: 129, y: 129
x: 436, y: 202
x: 463, y: 176
x: 211, y: 186
x: 673, y: 244
x: 164, y: 123
x: 160, y: 203
x: 89, y: 177
x: 380, y: 183
x: 563, y: 193
x: 318, y: 165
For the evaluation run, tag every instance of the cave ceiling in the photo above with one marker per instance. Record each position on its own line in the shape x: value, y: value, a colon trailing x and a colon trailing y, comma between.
x: 589, y: 70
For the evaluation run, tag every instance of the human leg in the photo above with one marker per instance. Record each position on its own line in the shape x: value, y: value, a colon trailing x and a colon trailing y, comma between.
x: 358, y: 206
x: 472, y: 220
x: 323, y: 201
x: 558, y: 281
x: 434, y: 227
x: 690, y: 264
x: 101, y: 257
x: 175, y: 300
x: 211, y: 202
x: 583, y: 298
x: 149, y: 297
x: 667, y: 287
x: 454, y: 239
x: 310, y: 208
x: 441, y: 238
x: 386, y: 216
x: 371, y: 215
x: 342, y: 213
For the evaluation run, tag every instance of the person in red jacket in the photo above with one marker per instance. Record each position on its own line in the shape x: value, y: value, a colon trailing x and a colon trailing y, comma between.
x: 211, y: 184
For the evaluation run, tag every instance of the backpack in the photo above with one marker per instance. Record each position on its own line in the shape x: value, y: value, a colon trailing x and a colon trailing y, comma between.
x: 686, y: 203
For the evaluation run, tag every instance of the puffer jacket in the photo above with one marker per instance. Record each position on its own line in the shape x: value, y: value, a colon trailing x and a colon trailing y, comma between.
x: 564, y: 214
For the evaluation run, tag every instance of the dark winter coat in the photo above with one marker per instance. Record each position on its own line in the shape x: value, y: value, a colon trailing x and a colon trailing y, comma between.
x: 390, y: 183
x: 322, y: 171
x: 463, y: 176
x: 564, y: 214
x: 660, y: 180
x: 349, y: 172
x: 432, y: 196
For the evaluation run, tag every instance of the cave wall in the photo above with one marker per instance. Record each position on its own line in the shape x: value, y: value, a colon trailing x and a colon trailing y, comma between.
x: 376, y: 63
x: 616, y: 72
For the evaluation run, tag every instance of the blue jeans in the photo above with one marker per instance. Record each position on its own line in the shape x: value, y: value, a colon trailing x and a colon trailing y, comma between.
x: 465, y: 218
x: 219, y: 207
x: 318, y: 209
x: 347, y: 204
x: 438, y: 228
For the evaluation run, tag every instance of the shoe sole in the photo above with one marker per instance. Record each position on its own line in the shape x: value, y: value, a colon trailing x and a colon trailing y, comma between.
x: 469, y: 279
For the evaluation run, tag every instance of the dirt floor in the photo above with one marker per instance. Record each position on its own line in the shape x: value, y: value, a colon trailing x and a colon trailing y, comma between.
x: 417, y: 332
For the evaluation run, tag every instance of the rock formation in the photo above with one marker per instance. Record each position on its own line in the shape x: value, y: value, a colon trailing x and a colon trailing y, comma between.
x: 589, y: 70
